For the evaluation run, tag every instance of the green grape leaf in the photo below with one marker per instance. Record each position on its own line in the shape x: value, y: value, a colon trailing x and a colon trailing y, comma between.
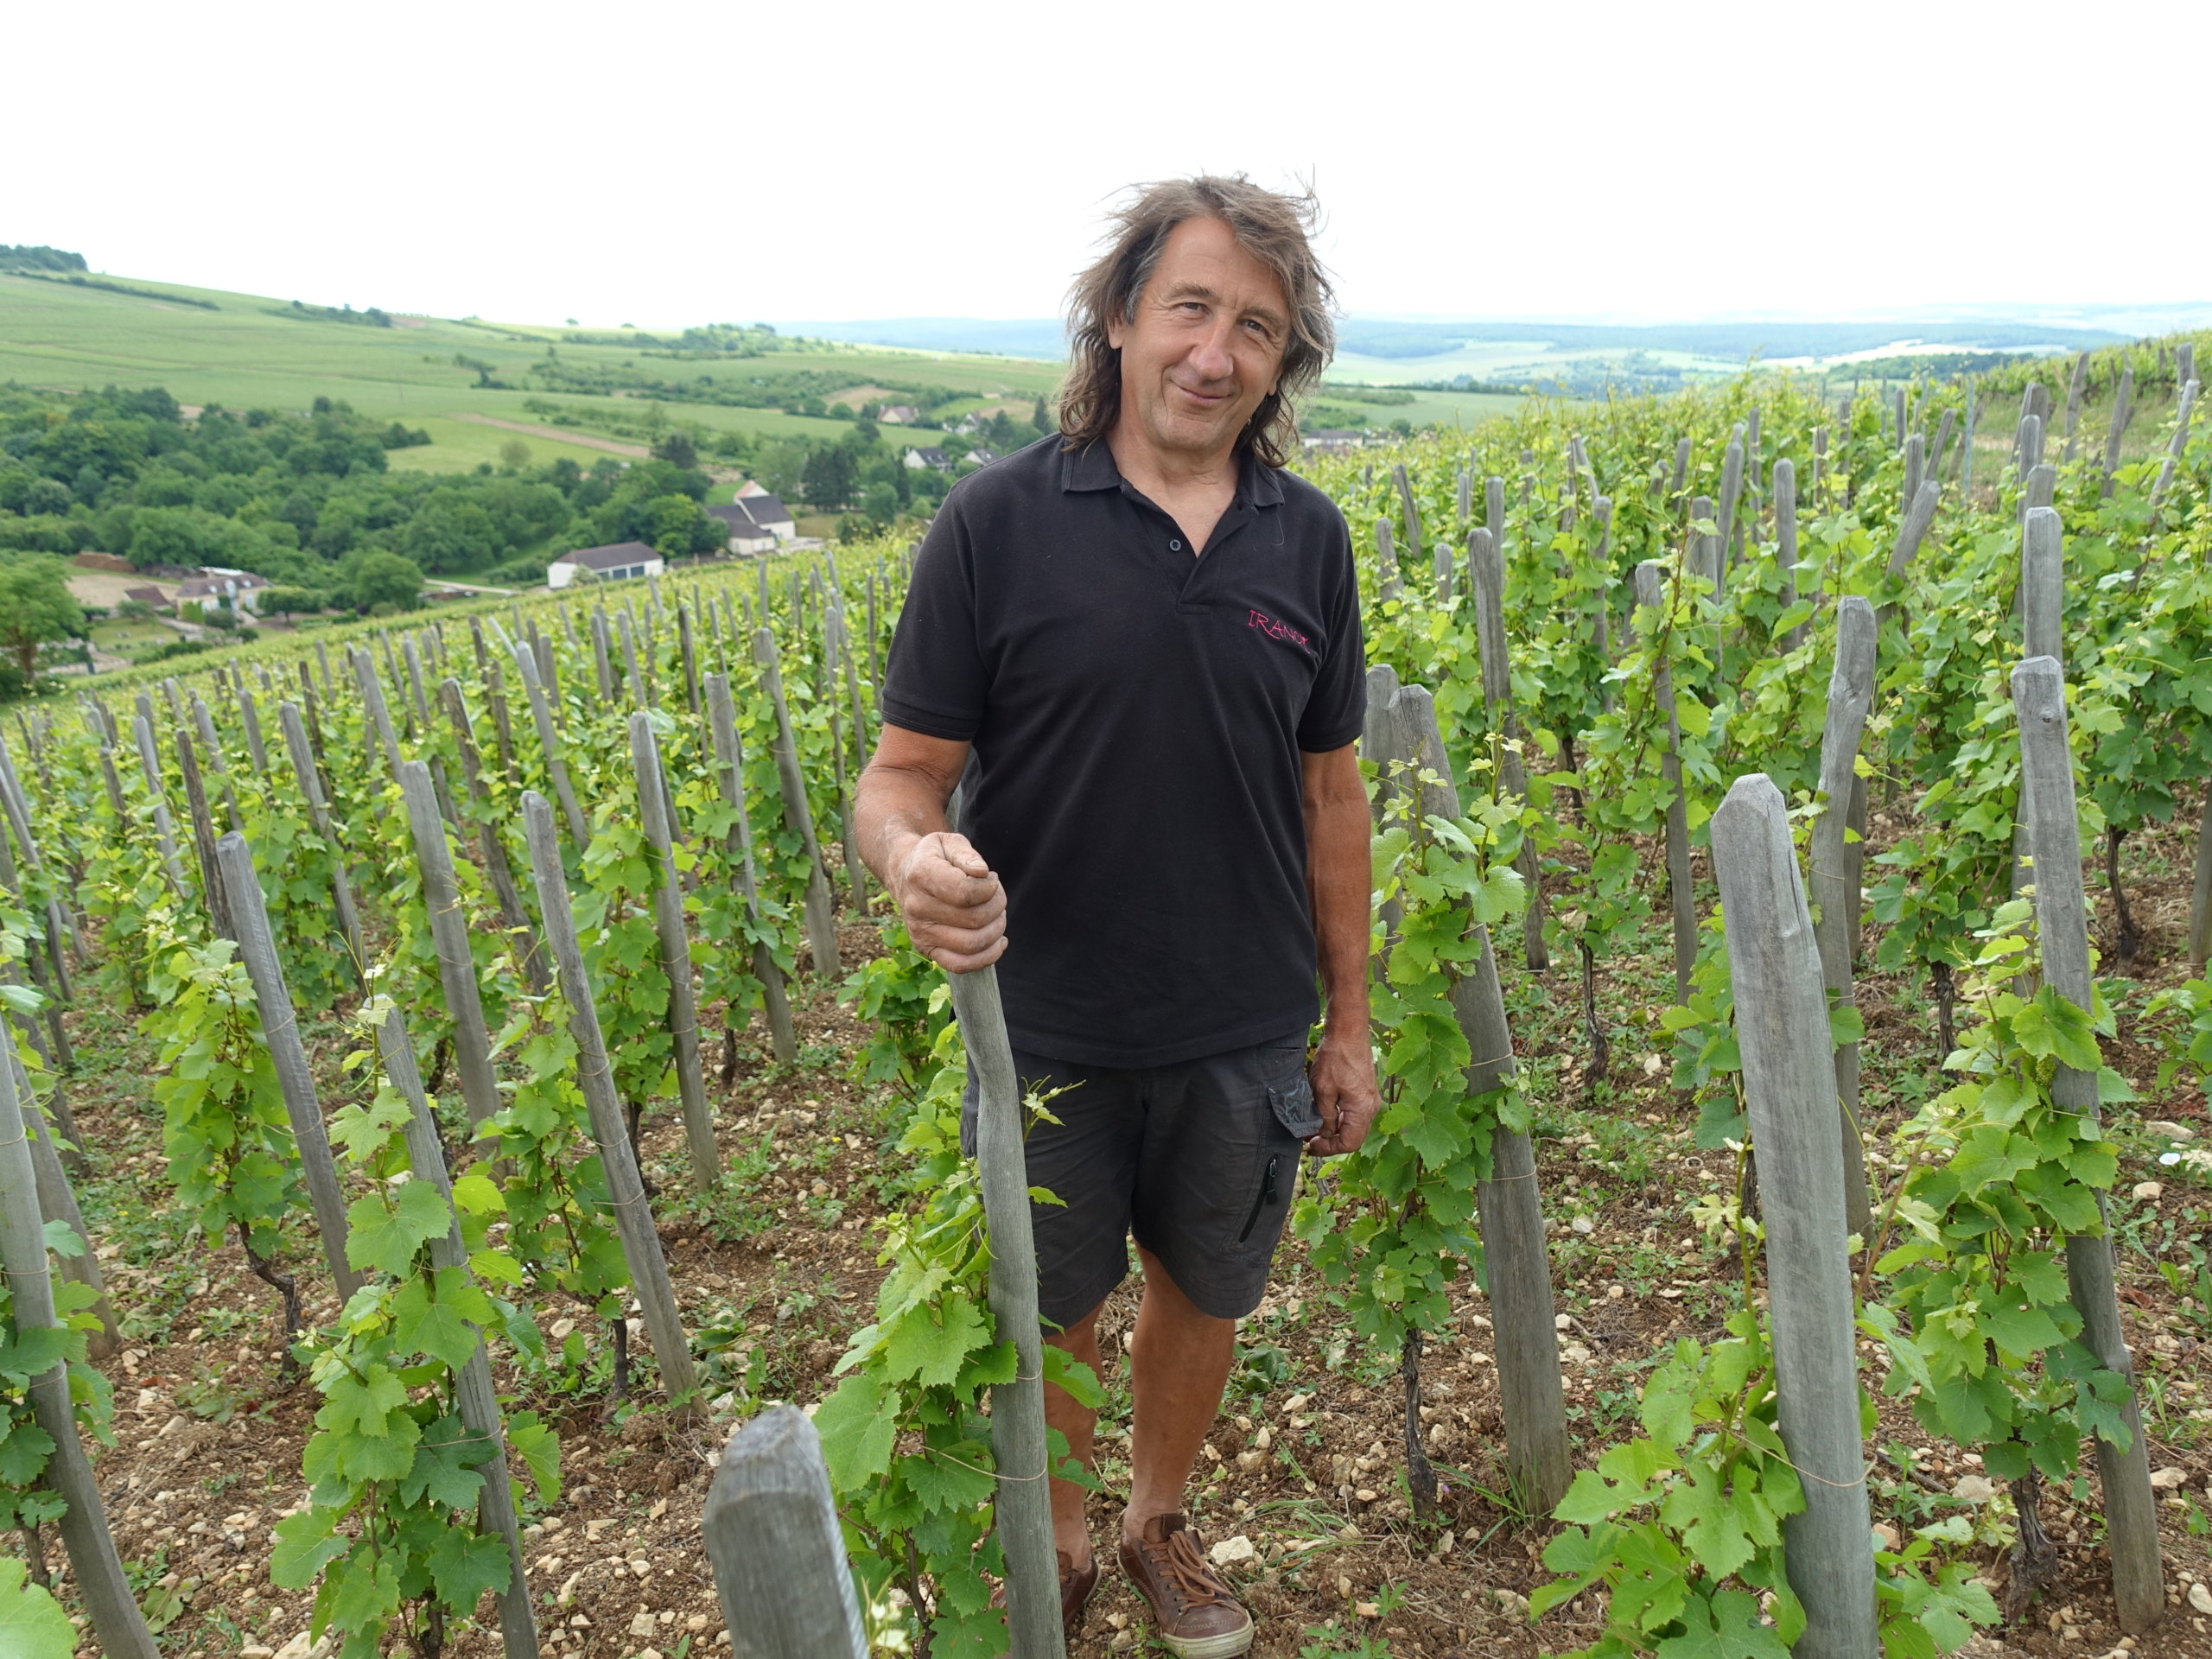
x: 465, y: 1565
x: 306, y: 1543
x: 386, y: 1238
x: 32, y: 1624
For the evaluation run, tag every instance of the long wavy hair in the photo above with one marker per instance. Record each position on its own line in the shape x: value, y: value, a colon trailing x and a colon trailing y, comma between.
x: 1275, y: 228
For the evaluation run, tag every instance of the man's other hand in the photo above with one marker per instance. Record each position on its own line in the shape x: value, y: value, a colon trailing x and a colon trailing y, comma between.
x: 954, y: 906
x: 1343, y: 1074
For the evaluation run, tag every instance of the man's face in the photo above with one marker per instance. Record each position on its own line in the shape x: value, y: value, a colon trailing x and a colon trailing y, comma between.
x: 1206, y: 344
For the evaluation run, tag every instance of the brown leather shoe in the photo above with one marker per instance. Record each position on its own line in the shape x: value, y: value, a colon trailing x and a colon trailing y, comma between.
x: 1197, y: 1617
x: 1075, y: 1591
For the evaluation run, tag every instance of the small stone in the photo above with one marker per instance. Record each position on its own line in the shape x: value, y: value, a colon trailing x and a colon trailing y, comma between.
x: 1229, y: 1551
x: 1343, y: 1586
x: 2149, y: 1191
x: 1974, y: 1489
x: 1367, y: 1610
x: 1885, y: 1537
x: 1563, y: 1322
x: 2170, y: 1478
x: 255, y: 1650
x: 644, y: 1624
x: 1583, y: 1225
x: 1365, y: 1495
x: 2172, y: 1130
x: 1118, y: 1621
x: 698, y: 1622
x: 2200, y: 1597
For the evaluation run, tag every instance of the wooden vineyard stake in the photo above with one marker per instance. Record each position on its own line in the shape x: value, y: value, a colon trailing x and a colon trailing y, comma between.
x: 2074, y: 388
x: 280, y: 1031
x: 249, y: 718
x: 1781, y: 1029
x: 1386, y: 563
x: 117, y: 1625
x: 141, y: 730
x: 1731, y: 495
x: 1650, y: 596
x: 212, y: 744
x: 729, y: 764
x: 1785, y: 537
x: 549, y: 741
x: 310, y: 781
x: 631, y: 678
x: 1414, y: 543
x: 493, y: 849
x: 1378, y: 745
x: 473, y: 1391
x: 449, y: 933
x: 690, y: 653
x: 633, y: 1220
x: 2122, y: 409
x: 1601, y: 509
x: 1488, y: 572
x: 2062, y: 928
x: 778, y: 1552
x: 602, y: 657
x: 203, y: 839
x: 1509, y: 1206
x: 799, y: 815
x: 365, y: 675
x: 1018, y: 1447
x: 1851, y: 694
x: 2179, y: 443
x: 675, y: 956
x: 57, y: 1199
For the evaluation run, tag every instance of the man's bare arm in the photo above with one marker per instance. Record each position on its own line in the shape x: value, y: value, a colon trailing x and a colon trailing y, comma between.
x: 1340, y: 876
x: 953, y: 908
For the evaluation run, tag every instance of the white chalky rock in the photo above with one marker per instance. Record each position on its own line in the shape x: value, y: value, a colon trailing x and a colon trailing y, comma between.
x: 1229, y: 1551
x: 2170, y: 1478
x: 1974, y: 1489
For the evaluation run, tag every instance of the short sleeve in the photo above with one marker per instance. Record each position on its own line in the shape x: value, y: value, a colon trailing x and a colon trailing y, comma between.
x: 935, y: 682
x: 1336, y: 709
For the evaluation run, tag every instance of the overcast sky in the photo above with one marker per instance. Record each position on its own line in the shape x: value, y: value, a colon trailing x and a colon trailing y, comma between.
x: 676, y: 163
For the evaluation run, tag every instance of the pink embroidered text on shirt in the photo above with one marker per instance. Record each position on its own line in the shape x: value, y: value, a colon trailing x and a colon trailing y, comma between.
x: 1276, y: 630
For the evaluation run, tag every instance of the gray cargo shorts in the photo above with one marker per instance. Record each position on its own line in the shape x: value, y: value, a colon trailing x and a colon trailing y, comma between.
x: 1198, y: 1160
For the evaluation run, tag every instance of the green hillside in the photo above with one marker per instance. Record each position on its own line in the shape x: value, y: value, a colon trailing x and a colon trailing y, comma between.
x: 244, y: 351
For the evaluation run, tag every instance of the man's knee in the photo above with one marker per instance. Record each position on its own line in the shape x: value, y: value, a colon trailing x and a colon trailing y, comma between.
x: 1080, y: 1335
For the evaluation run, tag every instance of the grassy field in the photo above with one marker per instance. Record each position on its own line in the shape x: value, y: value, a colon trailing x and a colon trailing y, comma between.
x: 245, y: 355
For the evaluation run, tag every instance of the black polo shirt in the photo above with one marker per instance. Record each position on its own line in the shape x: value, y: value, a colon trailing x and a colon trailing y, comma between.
x: 1137, y: 715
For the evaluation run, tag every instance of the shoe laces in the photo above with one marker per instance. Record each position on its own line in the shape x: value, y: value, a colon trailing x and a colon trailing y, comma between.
x: 1186, y: 1572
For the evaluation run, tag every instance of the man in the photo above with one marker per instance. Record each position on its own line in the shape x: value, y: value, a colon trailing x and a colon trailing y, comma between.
x: 1138, y: 644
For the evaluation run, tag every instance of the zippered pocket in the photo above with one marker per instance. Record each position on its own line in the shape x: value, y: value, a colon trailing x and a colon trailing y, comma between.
x: 1265, y: 1196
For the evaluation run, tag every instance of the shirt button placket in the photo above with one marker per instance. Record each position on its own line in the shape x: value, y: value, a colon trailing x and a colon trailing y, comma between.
x: 1174, y: 547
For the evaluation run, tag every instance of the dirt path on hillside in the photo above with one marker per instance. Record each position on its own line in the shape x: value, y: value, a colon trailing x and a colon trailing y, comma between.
x: 614, y: 447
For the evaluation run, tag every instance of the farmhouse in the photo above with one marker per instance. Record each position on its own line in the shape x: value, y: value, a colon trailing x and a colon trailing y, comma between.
x: 214, y: 584
x: 759, y: 522
x: 613, y: 563
x: 930, y: 460
x: 896, y: 414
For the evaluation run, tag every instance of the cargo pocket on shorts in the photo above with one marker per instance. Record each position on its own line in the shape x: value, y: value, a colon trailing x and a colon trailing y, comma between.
x: 1292, y: 1104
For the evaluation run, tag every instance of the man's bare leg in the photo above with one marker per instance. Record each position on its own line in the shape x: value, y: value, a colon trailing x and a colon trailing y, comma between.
x: 1078, y: 1422
x: 1178, y: 1368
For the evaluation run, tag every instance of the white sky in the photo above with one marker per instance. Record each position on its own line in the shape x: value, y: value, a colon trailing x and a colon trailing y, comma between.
x: 667, y: 163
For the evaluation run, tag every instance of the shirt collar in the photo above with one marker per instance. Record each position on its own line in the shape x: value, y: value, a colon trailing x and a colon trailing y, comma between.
x: 1092, y: 468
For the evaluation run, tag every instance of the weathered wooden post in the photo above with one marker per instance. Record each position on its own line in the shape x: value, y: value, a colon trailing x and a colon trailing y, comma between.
x: 1386, y: 563
x: 141, y: 730
x: 57, y: 1199
x: 2074, y: 388
x: 280, y: 1030
x: 479, y: 1403
x: 365, y: 675
x: 1018, y: 1447
x: 778, y: 1552
x: 449, y: 933
x: 633, y: 1220
x: 2179, y: 443
x: 1781, y: 1029
x: 1488, y: 571
x: 1785, y: 534
x: 675, y: 955
x: 2062, y: 929
x: 310, y: 781
x: 493, y: 849
x: 1851, y: 694
x: 1731, y: 494
x: 203, y: 838
x: 549, y: 741
x: 117, y: 1625
x: 2122, y: 411
x: 1510, y: 1206
x: 1650, y: 596
x: 1413, y: 510
x: 729, y: 764
x: 798, y: 814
